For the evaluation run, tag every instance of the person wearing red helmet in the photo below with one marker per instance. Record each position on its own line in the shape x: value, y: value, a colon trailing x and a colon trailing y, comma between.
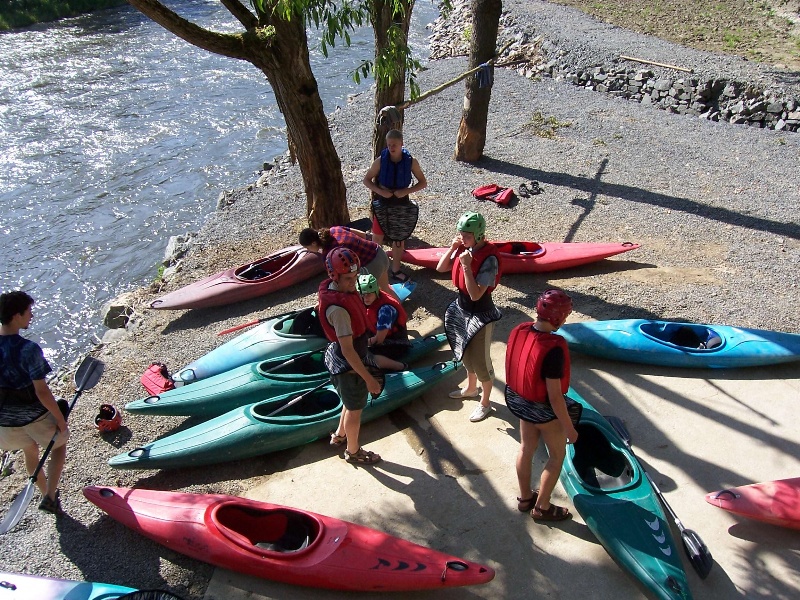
x: 344, y: 320
x: 537, y: 379
x: 469, y: 320
x: 29, y: 413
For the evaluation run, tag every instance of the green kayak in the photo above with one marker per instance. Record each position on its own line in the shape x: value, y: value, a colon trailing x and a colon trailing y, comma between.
x: 250, y: 430
x: 255, y: 382
x: 617, y: 502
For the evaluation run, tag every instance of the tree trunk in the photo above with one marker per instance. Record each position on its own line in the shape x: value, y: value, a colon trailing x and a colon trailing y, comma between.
x: 471, y: 138
x: 282, y: 55
x: 389, y: 95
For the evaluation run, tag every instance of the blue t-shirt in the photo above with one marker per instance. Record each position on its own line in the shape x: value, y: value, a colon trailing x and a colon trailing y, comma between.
x: 387, y: 315
x: 21, y: 363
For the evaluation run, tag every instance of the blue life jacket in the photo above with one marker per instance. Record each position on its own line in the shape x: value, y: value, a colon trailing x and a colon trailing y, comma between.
x: 395, y: 175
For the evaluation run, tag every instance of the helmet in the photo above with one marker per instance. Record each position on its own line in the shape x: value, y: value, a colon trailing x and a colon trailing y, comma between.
x: 367, y: 284
x: 473, y: 223
x: 108, y: 418
x: 554, y: 306
x: 340, y: 261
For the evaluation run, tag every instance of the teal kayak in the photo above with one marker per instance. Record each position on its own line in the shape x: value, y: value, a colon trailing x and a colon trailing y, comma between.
x: 614, y: 497
x: 32, y: 587
x: 251, y: 430
x: 255, y: 382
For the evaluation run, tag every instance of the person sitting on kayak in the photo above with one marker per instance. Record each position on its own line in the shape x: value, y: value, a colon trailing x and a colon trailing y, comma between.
x: 537, y: 377
x: 344, y: 319
x: 371, y: 255
x: 386, y: 319
x: 29, y: 413
x: 469, y: 320
x: 390, y: 176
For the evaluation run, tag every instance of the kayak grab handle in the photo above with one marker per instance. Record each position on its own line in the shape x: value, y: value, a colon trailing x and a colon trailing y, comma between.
x: 152, y: 399
x: 456, y: 565
x: 628, y: 244
x: 722, y: 493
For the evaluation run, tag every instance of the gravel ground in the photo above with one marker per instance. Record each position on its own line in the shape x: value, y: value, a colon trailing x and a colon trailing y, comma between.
x: 713, y: 205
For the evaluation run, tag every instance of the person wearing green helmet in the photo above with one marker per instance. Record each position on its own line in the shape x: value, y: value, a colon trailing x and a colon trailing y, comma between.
x: 469, y: 320
x: 386, y: 319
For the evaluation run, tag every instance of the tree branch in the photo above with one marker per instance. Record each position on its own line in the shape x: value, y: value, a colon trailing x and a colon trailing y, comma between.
x: 240, y: 11
x: 231, y: 45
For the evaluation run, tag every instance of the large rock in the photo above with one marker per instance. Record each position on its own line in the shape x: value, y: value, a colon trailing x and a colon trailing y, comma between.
x: 118, y: 311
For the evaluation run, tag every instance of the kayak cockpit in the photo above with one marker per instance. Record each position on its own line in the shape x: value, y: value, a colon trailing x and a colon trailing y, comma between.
x: 265, y: 268
x: 521, y: 249
x: 598, y: 463
x: 316, y: 405
x: 684, y: 336
x: 266, y: 531
x: 298, y: 368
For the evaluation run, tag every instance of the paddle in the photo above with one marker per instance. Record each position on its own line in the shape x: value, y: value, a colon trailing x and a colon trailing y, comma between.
x: 696, y: 550
x: 251, y: 323
x: 376, y: 373
x: 292, y: 360
x: 86, y: 377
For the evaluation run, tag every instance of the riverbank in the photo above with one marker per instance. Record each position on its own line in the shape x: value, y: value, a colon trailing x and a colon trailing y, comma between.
x: 23, y: 13
x: 714, y: 207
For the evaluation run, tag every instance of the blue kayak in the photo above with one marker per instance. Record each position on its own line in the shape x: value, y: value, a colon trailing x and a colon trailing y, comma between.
x: 255, y: 430
x: 675, y: 344
x: 614, y: 497
x: 255, y: 382
x: 30, y: 587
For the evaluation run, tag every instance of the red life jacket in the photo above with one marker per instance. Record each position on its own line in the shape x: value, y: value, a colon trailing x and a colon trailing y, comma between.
x: 351, y: 302
x: 399, y: 326
x: 478, y: 256
x: 524, y: 357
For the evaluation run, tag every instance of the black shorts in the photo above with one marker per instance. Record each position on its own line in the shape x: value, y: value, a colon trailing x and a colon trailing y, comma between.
x: 352, y: 390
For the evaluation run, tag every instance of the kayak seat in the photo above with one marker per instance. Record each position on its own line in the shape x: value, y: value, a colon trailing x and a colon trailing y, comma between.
x: 519, y: 248
x: 306, y: 322
x: 274, y: 530
x: 597, y: 462
x: 315, y: 404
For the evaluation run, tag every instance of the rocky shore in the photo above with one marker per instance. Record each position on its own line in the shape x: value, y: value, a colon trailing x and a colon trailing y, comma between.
x: 713, y: 205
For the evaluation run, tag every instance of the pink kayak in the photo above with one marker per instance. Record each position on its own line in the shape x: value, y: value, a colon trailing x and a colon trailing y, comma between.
x: 774, y: 502
x: 530, y: 257
x: 284, y: 544
x: 276, y: 271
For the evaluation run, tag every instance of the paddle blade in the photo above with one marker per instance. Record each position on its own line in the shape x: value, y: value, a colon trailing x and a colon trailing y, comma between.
x: 18, y: 508
x: 88, y: 373
x: 698, y: 553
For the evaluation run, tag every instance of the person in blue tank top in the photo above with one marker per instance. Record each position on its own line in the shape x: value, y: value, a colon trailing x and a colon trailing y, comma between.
x: 391, y: 176
x: 29, y: 413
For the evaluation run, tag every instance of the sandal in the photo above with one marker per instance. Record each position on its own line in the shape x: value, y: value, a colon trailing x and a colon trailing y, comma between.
x: 399, y: 276
x: 526, y: 504
x: 362, y: 457
x: 51, y: 506
x: 523, y: 190
x: 337, y: 440
x: 554, y: 513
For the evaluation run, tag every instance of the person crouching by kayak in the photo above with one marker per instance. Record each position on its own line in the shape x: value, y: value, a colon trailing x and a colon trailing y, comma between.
x: 537, y: 376
x: 371, y: 255
x: 386, y: 319
x: 344, y: 320
x: 469, y: 320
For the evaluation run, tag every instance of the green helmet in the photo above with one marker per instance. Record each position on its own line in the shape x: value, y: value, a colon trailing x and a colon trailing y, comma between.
x: 367, y: 284
x: 473, y: 223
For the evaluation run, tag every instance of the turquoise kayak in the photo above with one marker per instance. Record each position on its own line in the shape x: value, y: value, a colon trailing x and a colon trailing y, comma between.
x: 30, y: 587
x: 251, y: 430
x: 279, y: 336
x: 614, y: 497
x: 675, y: 344
x: 255, y: 382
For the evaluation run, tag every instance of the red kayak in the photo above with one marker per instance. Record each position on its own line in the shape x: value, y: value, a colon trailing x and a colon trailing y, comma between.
x: 530, y: 257
x: 284, y: 544
x: 774, y: 502
x: 276, y: 271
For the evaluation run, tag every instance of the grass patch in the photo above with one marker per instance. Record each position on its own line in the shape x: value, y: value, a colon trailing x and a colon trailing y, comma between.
x: 544, y: 127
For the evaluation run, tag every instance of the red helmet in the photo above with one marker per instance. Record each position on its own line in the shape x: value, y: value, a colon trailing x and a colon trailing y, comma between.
x: 340, y: 261
x: 108, y: 418
x: 554, y: 307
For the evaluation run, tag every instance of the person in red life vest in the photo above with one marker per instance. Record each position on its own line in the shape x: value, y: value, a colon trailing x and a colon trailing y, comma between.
x: 29, y: 413
x: 344, y: 320
x: 371, y: 255
x: 391, y: 176
x: 537, y: 377
x: 469, y: 320
x: 386, y: 319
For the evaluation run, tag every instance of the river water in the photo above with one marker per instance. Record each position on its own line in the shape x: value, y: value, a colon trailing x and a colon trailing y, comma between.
x: 116, y: 135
